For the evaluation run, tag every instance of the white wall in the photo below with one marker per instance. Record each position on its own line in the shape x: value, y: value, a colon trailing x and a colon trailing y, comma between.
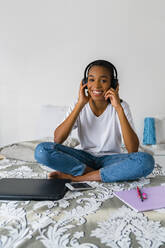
x: 45, y: 46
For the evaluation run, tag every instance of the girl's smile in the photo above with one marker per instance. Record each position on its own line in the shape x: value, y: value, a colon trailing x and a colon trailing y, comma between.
x: 97, y: 92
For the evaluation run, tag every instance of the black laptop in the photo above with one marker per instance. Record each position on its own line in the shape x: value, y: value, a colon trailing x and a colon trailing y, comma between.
x: 32, y: 189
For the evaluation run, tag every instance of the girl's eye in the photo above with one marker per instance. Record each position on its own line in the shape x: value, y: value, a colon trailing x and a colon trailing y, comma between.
x: 103, y: 80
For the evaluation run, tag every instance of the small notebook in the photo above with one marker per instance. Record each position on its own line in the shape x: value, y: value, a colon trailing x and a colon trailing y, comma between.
x: 155, y: 198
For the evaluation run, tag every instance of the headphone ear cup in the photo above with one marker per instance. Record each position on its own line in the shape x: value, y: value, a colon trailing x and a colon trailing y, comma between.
x: 114, y: 83
x: 85, y: 82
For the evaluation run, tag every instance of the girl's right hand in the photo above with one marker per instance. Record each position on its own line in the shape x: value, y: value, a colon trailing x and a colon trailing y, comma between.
x: 83, y: 99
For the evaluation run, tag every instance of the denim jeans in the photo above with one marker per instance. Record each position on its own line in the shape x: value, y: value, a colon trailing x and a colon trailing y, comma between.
x: 113, y: 168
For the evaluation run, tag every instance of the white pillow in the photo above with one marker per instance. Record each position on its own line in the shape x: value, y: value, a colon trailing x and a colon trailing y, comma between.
x: 50, y: 117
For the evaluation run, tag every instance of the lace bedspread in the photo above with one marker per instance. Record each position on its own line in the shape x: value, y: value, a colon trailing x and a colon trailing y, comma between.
x: 88, y: 219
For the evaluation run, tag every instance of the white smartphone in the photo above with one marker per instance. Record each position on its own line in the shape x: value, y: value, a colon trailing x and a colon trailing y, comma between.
x: 78, y: 186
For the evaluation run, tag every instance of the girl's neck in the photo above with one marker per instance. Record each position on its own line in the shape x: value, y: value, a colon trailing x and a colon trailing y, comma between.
x: 98, y: 105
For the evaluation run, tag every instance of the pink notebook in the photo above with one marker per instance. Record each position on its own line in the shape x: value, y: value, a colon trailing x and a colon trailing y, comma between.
x: 155, y: 198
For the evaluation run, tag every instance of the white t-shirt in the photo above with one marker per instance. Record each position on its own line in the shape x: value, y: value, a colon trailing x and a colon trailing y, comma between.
x: 100, y: 135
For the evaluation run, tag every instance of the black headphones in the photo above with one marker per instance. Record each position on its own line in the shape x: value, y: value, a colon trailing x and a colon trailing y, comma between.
x: 104, y: 63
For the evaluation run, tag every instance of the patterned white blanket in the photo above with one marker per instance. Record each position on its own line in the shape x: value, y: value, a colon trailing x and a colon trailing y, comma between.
x: 89, y: 219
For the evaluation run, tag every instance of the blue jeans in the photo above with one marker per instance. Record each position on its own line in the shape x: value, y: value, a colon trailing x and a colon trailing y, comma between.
x: 113, y: 168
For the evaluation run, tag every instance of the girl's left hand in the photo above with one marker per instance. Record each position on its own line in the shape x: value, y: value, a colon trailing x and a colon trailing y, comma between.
x: 113, y: 95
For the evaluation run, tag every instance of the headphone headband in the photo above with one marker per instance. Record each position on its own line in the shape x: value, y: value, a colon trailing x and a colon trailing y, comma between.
x: 103, y: 63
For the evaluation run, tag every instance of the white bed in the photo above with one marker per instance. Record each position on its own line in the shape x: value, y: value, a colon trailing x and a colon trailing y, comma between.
x: 91, y: 219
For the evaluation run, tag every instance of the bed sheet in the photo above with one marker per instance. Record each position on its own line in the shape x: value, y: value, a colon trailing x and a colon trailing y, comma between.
x: 88, y: 219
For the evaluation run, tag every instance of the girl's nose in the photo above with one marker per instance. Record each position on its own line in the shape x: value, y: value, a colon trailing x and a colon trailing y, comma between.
x: 97, y: 83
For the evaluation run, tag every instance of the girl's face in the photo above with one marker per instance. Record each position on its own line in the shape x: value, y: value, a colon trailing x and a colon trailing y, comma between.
x: 99, y: 81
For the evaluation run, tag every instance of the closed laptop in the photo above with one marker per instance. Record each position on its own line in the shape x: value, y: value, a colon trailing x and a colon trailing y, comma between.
x: 32, y: 189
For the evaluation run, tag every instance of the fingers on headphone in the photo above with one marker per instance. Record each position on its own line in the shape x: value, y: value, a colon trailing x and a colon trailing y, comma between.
x: 83, y: 84
x: 117, y: 87
x: 82, y: 81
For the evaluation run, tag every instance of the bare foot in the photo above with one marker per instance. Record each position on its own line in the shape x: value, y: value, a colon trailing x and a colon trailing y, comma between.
x: 58, y: 174
x: 90, y: 176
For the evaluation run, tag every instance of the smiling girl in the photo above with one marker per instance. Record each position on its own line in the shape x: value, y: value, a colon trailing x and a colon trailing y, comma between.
x: 103, y: 121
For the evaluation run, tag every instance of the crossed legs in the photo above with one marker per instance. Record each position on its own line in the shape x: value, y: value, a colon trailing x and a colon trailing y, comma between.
x: 78, y: 165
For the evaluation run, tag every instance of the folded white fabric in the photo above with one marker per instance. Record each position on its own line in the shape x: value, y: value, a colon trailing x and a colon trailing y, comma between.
x: 160, y: 129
